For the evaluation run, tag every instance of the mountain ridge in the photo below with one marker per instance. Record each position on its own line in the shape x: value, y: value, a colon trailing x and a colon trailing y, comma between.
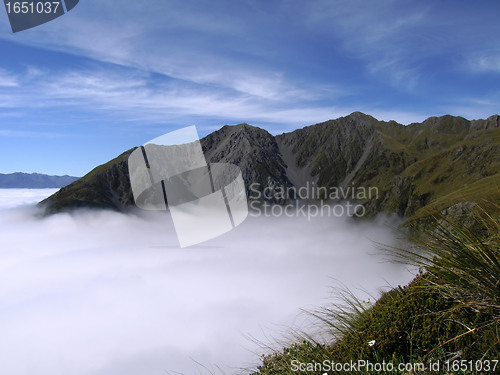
x: 419, y: 169
x: 22, y: 180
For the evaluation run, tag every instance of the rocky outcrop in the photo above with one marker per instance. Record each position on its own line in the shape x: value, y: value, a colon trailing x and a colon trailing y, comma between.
x: 257, y: 154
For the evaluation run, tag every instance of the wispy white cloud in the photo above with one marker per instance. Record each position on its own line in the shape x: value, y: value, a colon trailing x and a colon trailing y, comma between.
x: 8, y: 79
x: 135, y: 94
x: 486, y: 63
x: 192, y: 59
x: 150, y: 40
x: 132, y: 94
x: 223, y: 81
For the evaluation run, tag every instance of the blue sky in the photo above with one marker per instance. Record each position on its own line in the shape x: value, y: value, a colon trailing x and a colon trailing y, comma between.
x: 110, y: 75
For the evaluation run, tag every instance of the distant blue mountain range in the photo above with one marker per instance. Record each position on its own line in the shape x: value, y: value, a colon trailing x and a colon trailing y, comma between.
x: 34, y: 181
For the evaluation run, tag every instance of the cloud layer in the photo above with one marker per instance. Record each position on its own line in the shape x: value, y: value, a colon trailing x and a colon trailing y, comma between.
x: 104, y: 293
x: 10, y: 198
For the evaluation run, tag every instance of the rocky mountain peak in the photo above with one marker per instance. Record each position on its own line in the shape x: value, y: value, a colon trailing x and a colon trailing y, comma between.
x: 252, y: 149
x: 359, y: 117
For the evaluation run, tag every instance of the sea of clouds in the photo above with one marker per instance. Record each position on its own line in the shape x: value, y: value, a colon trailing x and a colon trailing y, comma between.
x: 103, y: 293
x: 18, y: 197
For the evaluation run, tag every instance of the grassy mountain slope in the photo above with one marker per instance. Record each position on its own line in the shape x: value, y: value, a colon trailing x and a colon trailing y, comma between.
x: 457, y: 162
x: 447, y: 160
x: 106, y: 186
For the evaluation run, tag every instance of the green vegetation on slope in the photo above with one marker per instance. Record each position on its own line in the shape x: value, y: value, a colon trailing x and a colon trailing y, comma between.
x: 106, y: 186
x: 426, y: 168
x: 451, y: 311
x: 411, y: 166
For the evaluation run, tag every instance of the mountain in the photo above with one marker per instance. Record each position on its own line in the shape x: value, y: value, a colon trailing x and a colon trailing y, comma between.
x: 34, y: 181
x: 444, y: 164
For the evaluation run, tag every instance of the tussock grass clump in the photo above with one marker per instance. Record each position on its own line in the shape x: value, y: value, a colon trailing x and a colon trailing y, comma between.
x: 464, y: 262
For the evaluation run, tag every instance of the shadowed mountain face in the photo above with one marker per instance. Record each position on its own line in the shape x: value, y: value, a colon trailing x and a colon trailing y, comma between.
x: 107, y: 186
x: 445, y: 164
x: 252, y: 149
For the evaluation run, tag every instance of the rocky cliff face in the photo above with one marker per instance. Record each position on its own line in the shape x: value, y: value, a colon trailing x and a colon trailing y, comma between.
x: 418, y: 170
x: 257, y: 154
